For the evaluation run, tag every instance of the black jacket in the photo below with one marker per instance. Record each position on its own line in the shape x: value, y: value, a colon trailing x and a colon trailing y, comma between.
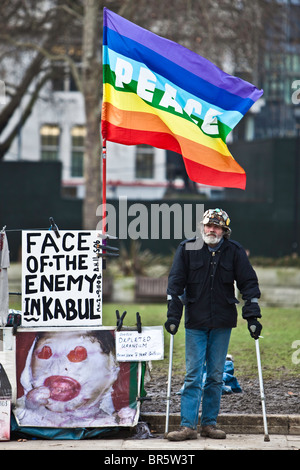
x: 207, y: 282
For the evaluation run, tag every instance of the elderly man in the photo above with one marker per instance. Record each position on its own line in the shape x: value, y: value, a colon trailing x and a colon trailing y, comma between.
x: 202, y: 278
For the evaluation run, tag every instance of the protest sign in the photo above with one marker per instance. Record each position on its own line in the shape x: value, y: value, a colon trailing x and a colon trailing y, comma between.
x: 145, y: 346
x: 69, y: 378
x: 61, y: 278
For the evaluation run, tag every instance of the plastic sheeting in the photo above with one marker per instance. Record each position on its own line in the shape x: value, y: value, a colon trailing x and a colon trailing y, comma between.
x: 230, y: 383
x: 27, y: 432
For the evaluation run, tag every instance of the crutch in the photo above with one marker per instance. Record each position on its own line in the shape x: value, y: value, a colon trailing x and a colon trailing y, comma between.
x: 169, y: 380
x: 262, y: 394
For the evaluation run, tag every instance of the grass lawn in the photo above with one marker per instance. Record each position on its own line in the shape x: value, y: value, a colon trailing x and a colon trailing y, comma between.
x: 280, y: 330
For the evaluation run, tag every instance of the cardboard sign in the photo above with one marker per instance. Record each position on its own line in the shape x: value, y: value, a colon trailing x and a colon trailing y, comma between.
x: 61, y: 278
x: 145, y: 346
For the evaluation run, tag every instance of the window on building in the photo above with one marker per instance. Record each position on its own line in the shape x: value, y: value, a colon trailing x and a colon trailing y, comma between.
x: 144, y: 162
x: 281, y: 71
x: 62, y: 77
x: 78, y: 136
x: 50, y: 135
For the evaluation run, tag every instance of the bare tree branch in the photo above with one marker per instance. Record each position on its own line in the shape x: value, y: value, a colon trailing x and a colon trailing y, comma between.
x: 5, y: 145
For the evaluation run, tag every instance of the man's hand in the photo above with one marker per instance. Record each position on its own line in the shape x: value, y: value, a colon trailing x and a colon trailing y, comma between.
x: 254, y: 327
x: 171, y: 327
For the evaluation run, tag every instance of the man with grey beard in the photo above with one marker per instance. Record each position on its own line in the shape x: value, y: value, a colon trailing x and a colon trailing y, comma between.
x: 202, y: 278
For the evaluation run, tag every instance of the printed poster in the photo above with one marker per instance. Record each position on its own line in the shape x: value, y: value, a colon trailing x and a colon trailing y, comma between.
x: 70, y: 378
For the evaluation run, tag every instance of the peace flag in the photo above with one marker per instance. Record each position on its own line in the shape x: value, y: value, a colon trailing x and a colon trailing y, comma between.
x: 159, y: 93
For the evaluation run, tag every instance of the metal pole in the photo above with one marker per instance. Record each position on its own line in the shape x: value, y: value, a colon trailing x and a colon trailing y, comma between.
x: 139, y: 386
x: 262, y: 394
x: 104, y: 198
x: 169, y: 384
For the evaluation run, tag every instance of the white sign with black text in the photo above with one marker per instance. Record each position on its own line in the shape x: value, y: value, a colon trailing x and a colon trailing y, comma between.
x: 61, y: 278
x: 145, y: 346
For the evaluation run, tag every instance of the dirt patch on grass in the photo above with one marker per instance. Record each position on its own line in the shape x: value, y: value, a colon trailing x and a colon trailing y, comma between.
x: 282, y: 396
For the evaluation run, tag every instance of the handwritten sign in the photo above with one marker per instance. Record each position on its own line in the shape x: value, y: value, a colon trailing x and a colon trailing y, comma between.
x: 145, y: 346
x: 61, y: 278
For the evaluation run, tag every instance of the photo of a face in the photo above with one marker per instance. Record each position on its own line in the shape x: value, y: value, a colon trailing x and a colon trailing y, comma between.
x: 68, y: 380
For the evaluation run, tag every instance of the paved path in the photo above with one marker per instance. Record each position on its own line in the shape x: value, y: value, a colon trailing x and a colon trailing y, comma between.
x: 111, y: 447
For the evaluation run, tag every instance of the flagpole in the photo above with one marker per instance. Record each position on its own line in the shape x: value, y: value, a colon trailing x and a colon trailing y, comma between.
x: 104, y: 193
x: 104, y: 185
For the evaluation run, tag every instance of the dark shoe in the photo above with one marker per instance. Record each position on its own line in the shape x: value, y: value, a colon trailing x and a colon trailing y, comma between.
x: 183, y: 434
x: 212, y: 432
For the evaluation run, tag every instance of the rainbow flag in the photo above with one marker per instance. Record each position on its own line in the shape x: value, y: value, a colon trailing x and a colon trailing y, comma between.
x: 159, y: 93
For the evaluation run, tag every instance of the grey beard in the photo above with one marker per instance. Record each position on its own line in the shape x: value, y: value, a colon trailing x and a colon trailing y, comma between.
x: 209, y: 240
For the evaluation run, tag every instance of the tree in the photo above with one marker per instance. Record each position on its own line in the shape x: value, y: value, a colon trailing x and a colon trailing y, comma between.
x: 91, y: 88
x: 36, y: 35
x: 42, y: 36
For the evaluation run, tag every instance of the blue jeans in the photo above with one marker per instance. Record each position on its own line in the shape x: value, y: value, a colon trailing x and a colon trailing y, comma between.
x: 203, y: 346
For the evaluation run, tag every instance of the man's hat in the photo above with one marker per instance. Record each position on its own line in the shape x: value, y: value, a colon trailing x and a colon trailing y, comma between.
x: 217, y: 217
